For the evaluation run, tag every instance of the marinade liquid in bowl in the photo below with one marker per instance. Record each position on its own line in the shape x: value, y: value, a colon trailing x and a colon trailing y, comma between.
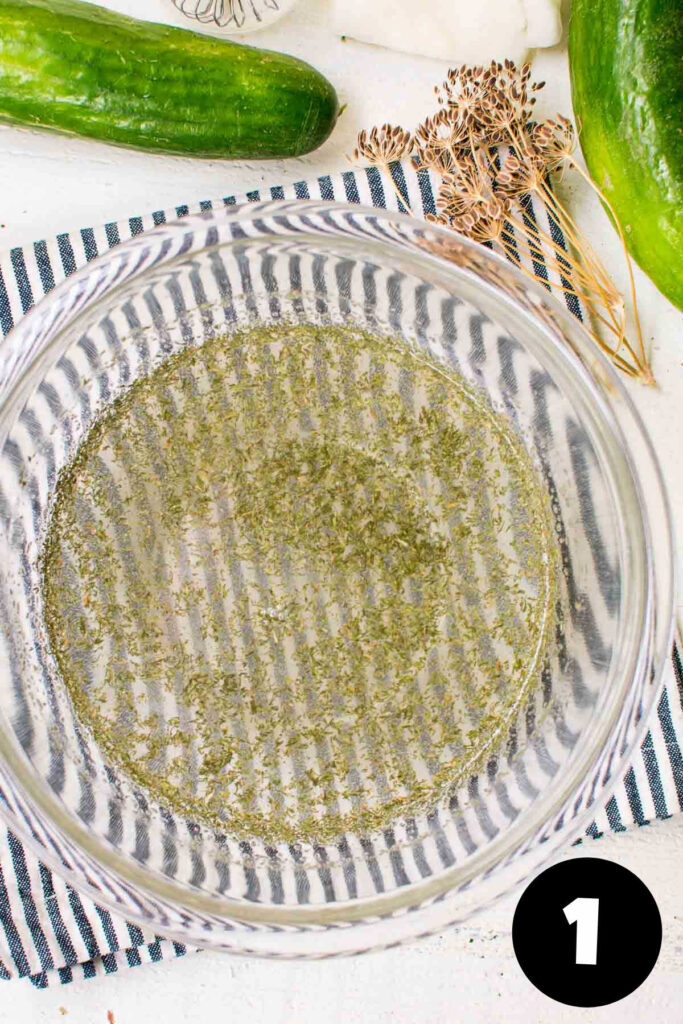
x: 330, y: 605
x: 298, y: 580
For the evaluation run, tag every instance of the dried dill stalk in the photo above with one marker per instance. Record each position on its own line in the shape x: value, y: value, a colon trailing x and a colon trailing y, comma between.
x: 492, y: 158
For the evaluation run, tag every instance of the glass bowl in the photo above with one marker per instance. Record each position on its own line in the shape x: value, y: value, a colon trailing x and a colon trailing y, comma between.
x: 327, y: 263
x: 237, y: 16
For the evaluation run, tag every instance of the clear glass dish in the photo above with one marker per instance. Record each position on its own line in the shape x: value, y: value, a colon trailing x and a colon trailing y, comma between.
x: 320, y: 263
x: 236, y: 16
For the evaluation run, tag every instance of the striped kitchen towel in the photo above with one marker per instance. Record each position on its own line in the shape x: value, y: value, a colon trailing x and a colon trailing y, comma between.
x: 48, y: 931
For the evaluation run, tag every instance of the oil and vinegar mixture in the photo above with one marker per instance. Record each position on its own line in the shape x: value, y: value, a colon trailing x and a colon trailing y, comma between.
x: 298, y: 580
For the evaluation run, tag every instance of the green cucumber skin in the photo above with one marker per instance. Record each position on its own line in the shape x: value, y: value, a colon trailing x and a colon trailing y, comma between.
x: 76, y: 68
x: 626, y: 61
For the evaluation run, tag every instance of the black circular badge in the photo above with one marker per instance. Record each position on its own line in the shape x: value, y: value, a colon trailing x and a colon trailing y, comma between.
x: 587, y: 932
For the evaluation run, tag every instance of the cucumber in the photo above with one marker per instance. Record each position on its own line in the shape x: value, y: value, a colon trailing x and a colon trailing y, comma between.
x: 626, y: 63
x: 76, y: 68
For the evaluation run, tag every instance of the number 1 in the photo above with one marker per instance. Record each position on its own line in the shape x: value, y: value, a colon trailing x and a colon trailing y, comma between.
x: 583, y: 912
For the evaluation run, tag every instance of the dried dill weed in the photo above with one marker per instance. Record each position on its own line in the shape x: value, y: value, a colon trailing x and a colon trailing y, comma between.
x: 298, y: 580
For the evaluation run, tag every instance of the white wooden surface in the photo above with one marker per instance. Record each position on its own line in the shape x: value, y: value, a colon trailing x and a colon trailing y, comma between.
x: 48, y: 184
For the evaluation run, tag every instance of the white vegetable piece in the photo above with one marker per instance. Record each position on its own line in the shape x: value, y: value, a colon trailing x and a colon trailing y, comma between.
x: 460, y: 31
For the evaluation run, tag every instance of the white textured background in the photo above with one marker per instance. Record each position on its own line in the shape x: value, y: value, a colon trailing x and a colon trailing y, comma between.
x: 49, y: 184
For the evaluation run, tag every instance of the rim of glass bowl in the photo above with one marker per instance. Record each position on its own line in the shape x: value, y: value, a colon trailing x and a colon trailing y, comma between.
x: 595, y: 768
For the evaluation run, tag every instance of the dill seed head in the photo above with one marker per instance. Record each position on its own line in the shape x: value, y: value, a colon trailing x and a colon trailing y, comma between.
x: 554, y: 141
x: 382, y: 145
x: 491, y: 156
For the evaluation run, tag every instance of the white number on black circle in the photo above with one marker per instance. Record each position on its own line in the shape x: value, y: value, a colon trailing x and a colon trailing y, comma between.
x: 583, y: 912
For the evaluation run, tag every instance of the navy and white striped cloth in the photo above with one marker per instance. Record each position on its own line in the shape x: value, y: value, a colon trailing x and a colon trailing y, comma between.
x: 50, y: 933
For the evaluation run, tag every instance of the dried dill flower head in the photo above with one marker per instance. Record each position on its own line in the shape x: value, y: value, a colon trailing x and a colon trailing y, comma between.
x: 491, y: 156
x: 383, y: 145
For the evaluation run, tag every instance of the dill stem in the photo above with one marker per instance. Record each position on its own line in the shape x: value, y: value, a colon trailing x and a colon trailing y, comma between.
x: 404, y: 206
x: 577, y: 238
x: 612, y: 353
x: 629, y: 265
x: 561, y: 255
